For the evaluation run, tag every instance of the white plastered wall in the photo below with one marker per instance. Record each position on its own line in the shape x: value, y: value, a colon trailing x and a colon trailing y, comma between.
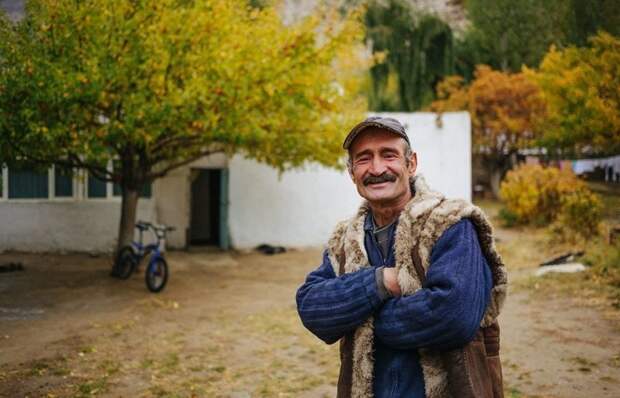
x: 298, y: 208
x: 89, y: 225
x: 173, y: 197
x: 301, y: 207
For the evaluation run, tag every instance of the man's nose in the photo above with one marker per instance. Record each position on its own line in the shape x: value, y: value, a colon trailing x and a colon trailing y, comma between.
x: 377, y: 166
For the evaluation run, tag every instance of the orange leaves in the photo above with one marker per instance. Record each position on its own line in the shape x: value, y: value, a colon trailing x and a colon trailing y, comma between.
x: 503, y: 106
x: 451, y: 95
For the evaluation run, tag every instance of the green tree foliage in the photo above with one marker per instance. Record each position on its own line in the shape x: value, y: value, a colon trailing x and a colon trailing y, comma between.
x: 418, y: 53
x: 156, y: 84
x: 509, y: 34
x: 581, y: 87
x: 584, y: 18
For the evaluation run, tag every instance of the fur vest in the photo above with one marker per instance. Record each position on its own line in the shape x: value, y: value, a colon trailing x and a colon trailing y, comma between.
x: 423, y: 220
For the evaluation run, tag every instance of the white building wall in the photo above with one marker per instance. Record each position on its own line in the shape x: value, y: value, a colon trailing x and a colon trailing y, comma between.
x: 89, y: 225
x: 298, y: 208
x: 172, y: 195
x: 301, y: 207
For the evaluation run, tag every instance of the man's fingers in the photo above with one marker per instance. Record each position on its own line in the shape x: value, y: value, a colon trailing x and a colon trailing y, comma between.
x: 390, y: 280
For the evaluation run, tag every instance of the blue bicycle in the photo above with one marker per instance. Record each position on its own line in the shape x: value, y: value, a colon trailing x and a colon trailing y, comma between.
x: 129, y: 257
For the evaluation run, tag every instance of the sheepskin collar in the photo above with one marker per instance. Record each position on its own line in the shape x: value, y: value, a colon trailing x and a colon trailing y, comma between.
x: 424, y: 219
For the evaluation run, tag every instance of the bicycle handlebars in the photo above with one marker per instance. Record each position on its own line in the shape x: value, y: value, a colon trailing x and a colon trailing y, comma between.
x: 144, y: 225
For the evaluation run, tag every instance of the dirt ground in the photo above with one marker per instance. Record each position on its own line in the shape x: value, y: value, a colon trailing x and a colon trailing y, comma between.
x: 226, y: 326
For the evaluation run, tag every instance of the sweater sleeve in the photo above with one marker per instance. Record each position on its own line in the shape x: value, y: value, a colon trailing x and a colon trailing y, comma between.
x: 330, y: 306
x: 447, y: 311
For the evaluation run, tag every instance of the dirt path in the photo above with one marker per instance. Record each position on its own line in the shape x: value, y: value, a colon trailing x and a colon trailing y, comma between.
x: 226, y: 326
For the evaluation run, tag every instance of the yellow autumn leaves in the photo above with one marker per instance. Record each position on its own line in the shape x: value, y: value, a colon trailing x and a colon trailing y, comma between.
x: 167, y: 79
x: 570, y: 102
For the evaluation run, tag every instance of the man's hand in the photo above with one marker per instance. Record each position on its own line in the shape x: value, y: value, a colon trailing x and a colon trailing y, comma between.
x: 390, y: 281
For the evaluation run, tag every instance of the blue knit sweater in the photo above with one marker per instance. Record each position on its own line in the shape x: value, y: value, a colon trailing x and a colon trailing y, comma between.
x: 444, y: 314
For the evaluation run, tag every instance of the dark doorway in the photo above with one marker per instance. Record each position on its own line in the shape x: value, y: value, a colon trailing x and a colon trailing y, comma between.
x: 205, y: 217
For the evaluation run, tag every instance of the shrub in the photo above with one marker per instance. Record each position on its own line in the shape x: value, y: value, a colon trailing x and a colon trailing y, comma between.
x: 542, y: 195
x: 581, y: 212
x: 605, y: 262
x: 509, y: 218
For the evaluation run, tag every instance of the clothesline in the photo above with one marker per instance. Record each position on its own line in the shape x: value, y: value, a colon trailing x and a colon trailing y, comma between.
x: 610, y: 165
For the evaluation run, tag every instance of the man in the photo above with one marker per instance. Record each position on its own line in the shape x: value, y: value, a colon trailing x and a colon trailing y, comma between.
x: 393, y: 324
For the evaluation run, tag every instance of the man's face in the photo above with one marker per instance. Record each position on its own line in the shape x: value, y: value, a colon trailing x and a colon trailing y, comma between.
x: 379, y: 168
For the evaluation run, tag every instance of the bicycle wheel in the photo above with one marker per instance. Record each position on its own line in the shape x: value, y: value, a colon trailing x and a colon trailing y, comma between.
x: 126, y: 262
x: 156, y: 275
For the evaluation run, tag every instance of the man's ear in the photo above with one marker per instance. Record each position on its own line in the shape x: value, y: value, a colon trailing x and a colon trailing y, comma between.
x: 413, y: 163
x: 350, y: 170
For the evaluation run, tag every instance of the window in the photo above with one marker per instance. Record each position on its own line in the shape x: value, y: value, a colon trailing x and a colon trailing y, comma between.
x: 96, y: 188
x: 28, y: 183
x: 24, y: 181
x: 63, y: 182
x: 2, y: 177
x: 146, y: 192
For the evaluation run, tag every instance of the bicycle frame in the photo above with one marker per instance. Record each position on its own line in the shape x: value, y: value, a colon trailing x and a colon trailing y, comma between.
x: 129, y: 257
x: 141, y: 250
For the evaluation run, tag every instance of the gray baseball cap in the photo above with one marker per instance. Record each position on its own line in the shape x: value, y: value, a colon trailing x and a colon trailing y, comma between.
x: 385, y: 123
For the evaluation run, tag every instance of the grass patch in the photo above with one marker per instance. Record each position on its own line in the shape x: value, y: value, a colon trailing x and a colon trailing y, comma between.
x: 513, y: 393
x: 87, y: 350
x: 39, y: 368
x: 582, y: 287
x: 146, y: 363
x: 526, y: 247
x: 170, y: 363
x: 159, y: 391
x: 605, y: 262
x: 110, y: 367
x: 55, y: 367
x: 91, y: 387
x: 610, y: 196
x: 197, y: 368
x: 530, y: 247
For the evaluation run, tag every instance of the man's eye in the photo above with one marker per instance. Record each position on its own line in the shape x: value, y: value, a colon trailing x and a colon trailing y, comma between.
x: 363, y: 159
x: 390, y: 156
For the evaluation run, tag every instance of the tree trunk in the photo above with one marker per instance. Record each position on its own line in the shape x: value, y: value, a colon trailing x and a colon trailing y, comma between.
x: 129, y: 207
x: 495, y: 177
x: 498, y: 167
x: 503, y: 45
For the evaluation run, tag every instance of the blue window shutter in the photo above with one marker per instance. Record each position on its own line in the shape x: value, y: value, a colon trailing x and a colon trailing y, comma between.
x: 116, y: 188
x: 96, y: 187
x: 223, y: 232
x: 63, y: 182
x: 25, y: 183
x: 146, y: 190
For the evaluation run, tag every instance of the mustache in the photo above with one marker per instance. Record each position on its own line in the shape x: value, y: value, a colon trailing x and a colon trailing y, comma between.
x: 379, y: 179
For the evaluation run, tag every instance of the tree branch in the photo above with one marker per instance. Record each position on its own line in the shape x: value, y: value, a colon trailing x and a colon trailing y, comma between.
x: 181, y: 139
x: 154, y: 175
x: 72, y: 161
x: 99, y: 172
